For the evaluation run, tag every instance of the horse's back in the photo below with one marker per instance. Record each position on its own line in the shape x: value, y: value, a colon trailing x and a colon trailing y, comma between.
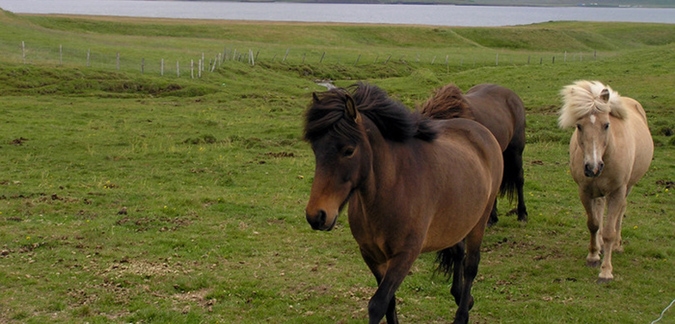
x: 501, y: 110
x: 472, y: 137
x: 640, y: 136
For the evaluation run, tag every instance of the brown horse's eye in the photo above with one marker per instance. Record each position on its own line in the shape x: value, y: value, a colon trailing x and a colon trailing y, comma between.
x: 348, y: 152
x: 606, y: 126
x: 579, y: 127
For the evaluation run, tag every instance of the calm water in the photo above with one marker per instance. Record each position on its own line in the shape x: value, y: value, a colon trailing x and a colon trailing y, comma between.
x: 441, y: 15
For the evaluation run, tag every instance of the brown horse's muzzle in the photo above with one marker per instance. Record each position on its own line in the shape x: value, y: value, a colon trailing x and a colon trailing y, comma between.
x: 319, y: 220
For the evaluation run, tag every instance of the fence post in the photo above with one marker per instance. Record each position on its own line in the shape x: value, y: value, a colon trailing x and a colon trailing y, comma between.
x: 88, y: 54
x: 23, y: 51
x: 60, y: 54
x: 177, y: 69
x: 497, y: 59
x: 161, y: 68
x: 285, y: 55
x: 142, y: 65
x: 192, y: 69
x: 118, y: 61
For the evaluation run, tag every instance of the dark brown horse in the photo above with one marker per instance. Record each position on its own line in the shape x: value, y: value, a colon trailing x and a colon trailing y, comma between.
x: 413, y: 184
x: 502, y: 112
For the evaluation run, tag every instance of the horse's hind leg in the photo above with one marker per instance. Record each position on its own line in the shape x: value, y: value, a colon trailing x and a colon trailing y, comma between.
x: 616, y: 205
x: 514, y: 176
x: 493, y: 219
x: 618, y: 244
x: 470, y: 269
x: 449, y: 259
x: 520, y: 183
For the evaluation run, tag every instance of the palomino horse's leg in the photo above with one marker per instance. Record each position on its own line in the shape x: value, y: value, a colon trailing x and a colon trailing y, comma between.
x: 616, y: 205
x: 595, y: 208
x: 383, y: 302
x: 618, y: 245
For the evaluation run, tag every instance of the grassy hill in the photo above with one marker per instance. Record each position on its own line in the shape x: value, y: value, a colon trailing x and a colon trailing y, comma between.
x: 131, y: 196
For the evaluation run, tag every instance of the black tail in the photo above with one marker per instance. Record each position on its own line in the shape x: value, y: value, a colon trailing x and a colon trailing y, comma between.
x: 449, y: 259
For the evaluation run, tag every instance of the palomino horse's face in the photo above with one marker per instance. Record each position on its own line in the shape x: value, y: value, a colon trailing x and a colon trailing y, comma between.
x: 341, y: 165
x: 592, y: 135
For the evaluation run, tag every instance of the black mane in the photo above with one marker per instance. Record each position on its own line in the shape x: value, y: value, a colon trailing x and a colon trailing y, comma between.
x: 393, y: 119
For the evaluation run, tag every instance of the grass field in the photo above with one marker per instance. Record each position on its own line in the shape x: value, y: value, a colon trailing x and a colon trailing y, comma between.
x: 129, y: 197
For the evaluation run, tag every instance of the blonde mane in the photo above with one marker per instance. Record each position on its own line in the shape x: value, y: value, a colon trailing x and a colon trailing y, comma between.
x: 583, y: 98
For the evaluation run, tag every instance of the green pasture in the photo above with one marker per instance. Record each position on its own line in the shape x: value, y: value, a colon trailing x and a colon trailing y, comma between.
x: 129, y: 197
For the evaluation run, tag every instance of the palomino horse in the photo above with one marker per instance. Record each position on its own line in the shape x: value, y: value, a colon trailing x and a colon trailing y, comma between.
x: 503, y: 113
x: 413, y: 185
x: 610, y: 150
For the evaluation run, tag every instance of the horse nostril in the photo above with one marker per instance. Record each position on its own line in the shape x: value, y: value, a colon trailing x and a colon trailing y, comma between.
x: 318, y: 220
x: 321, y: 218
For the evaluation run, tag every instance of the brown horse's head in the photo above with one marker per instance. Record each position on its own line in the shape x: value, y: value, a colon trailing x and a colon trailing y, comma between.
x: 589, y: 106
x: 338, y: 125
x: 335, y: 130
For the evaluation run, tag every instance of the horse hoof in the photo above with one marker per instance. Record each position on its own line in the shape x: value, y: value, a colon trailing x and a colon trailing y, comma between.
x: 604, y: 280
x: 593, y: 263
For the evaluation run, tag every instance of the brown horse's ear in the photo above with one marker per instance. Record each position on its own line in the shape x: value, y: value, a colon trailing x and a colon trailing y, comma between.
x: 350, y: 108
x: 604, y: 95
x: 315, y: 97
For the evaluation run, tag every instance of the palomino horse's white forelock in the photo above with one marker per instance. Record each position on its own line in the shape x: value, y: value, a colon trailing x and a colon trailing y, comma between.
x: 583, y: 97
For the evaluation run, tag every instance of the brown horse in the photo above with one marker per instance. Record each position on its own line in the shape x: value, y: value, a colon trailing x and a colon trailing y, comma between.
x: 610, y: 150
x: 503, y: 113
x: 413, y: 185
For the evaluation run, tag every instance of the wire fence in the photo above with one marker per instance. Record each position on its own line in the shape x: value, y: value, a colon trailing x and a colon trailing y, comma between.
x: 208, y: 61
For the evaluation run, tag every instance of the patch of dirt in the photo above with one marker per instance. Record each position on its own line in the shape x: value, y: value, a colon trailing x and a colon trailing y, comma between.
x: 18, y: 141
x: 280, y: 154
x: 668, y: 184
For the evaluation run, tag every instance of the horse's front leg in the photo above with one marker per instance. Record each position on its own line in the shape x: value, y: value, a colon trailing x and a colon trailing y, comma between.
x: 378, y: 271
x: 595, y: 208
x: 616, y: 205
x: 384, y: 300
